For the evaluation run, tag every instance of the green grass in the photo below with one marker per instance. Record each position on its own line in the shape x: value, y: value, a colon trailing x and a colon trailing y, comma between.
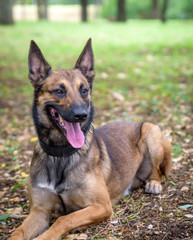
x: 155, y: 58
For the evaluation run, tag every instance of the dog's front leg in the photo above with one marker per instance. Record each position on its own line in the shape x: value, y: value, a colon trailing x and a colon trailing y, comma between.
x: 33, y: 225
x: 89, y: 215
x: 42, y: 202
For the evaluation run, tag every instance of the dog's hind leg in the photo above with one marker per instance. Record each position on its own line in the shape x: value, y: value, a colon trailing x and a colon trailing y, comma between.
x: 158, y: 149
x: 42, y: 205
x: 161, y: 165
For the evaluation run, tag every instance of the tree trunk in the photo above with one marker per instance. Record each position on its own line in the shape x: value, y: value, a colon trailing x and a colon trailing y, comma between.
x: 84, y: 10
x: 155, y: 10
x: 97, y: 11
x: 163, y: 10
x: 121, y: 13
x: 42, y: 9
x: 6, y: 15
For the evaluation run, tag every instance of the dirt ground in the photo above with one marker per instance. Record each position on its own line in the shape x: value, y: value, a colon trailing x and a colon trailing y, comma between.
x: 138, y: 216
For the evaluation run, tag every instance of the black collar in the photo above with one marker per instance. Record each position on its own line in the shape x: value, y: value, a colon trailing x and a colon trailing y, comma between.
x: 58, y: 151
x: 62, y: 151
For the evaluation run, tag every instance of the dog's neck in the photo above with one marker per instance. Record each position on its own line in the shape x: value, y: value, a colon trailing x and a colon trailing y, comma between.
x: 57, y: 151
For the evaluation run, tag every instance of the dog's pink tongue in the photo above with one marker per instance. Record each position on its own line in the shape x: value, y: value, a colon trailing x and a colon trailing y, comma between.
x: 75, y: 135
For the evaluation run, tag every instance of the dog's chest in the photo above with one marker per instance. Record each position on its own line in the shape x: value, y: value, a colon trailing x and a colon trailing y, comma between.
x: 59, y: 174
x: 66, y: 178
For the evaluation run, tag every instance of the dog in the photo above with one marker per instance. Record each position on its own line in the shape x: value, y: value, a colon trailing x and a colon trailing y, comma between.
x: 78, y: 170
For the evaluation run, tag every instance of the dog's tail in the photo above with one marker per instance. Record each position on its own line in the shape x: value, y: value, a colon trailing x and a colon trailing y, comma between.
x: 166, y: 164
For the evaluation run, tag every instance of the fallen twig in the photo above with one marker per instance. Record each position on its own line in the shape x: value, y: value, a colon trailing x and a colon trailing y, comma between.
x: 17, y: 216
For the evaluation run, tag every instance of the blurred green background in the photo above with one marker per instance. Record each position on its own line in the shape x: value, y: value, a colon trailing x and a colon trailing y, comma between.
x: 143, y: 50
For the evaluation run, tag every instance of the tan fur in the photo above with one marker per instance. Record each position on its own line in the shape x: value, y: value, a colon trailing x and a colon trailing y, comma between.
x: 120, y: 157
x: 93, y: 201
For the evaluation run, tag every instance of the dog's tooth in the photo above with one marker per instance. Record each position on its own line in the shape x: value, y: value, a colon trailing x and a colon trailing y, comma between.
x: 60, y: 118
x: 61, y: 121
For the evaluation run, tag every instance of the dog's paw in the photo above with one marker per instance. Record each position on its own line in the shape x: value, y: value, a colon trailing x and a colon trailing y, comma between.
x: 153, y: 187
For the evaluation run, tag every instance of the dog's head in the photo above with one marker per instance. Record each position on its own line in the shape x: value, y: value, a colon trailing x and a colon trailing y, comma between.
x: 62, y: 98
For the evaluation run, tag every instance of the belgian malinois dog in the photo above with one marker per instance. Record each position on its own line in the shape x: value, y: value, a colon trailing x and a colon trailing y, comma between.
x: 74, y: 169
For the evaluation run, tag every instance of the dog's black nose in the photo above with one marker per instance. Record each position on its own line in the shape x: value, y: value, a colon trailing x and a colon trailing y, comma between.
x: 80, y: 114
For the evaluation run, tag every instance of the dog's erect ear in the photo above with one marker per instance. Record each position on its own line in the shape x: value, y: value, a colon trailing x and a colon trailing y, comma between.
x: 85, y: 62
x: 39, y: 69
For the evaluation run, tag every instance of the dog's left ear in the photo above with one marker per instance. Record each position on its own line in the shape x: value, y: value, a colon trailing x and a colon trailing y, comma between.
x: 39, y: 69
x: 85, y: 62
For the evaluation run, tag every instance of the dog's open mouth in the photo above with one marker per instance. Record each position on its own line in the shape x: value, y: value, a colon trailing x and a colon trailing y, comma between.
x: 71, y: 130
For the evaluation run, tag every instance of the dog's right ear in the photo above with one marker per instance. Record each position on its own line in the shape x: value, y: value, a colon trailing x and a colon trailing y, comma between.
x: 39, y: 69
x: 85, y: 62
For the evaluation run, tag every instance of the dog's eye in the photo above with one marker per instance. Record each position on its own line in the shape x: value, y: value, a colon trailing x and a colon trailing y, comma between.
x: 84, y: 92
x: 58, y: 92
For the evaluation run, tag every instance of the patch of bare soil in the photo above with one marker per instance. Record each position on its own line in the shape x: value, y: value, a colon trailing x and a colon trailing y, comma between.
x: 138, y: 216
